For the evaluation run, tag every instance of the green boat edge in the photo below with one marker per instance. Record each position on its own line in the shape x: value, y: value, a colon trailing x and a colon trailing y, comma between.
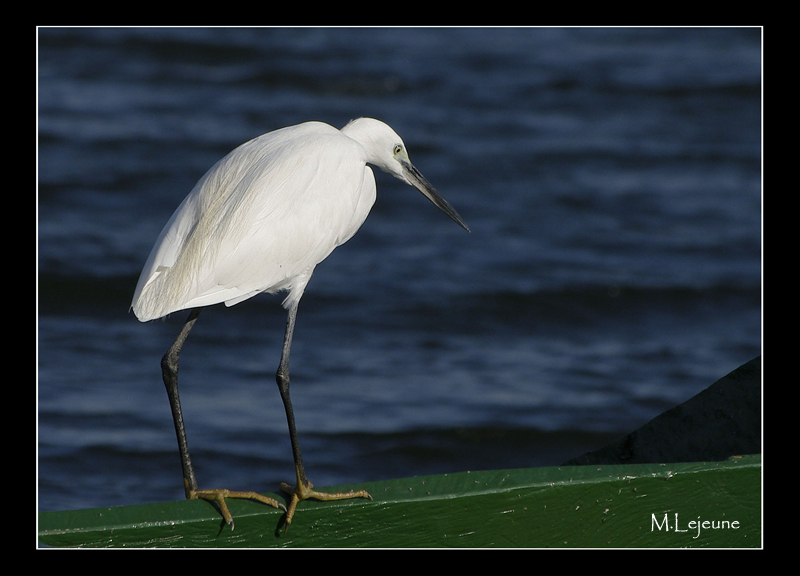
x: 693, y: 504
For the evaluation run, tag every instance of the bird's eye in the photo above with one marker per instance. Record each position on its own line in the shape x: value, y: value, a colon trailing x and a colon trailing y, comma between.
x: 397, y: 149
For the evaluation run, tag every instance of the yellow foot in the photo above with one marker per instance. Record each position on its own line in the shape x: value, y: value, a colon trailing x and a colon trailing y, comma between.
x: 303, y: 492
x: 218, y: 495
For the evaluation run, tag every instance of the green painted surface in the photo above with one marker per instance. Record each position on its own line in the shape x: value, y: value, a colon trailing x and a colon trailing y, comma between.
x: 573, y: 506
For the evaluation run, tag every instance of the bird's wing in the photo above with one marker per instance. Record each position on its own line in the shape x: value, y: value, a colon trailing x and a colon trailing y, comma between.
x: 259, y: 220
x: 279, y: 224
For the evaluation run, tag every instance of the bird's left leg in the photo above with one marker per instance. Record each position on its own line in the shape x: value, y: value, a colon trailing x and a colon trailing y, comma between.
x: 169, y: 370
x: 303, y: 489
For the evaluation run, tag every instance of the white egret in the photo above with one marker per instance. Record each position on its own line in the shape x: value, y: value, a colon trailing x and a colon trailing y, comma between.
x: 260, y: 220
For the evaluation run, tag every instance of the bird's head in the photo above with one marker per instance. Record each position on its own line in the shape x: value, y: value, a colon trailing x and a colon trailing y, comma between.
x: 386, y: 150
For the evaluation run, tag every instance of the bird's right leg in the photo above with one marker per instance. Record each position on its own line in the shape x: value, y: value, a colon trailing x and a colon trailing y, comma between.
x: 303, y: 489
x: 169, y: 371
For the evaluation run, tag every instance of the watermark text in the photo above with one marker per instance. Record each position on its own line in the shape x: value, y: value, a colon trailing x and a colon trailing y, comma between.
x: 692, y: 526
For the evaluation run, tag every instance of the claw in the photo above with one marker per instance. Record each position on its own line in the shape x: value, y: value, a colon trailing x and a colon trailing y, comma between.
x: 218, y: 495
x: 304, y: 492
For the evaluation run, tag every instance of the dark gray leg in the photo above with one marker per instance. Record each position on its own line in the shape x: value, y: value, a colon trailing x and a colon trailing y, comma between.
x: 303, y: 489
x: 169, y: 371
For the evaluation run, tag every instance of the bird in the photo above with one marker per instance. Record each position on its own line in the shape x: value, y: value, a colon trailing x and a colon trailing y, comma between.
x: 259, y: 221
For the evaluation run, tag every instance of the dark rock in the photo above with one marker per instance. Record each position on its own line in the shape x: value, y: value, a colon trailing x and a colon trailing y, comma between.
x: 723, y: 420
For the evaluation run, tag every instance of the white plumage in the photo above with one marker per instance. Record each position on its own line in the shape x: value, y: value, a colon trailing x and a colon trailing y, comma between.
x: 259, y: 221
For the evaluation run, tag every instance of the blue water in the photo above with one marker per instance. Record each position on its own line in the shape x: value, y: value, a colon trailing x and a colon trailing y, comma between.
x: 611, y: 179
